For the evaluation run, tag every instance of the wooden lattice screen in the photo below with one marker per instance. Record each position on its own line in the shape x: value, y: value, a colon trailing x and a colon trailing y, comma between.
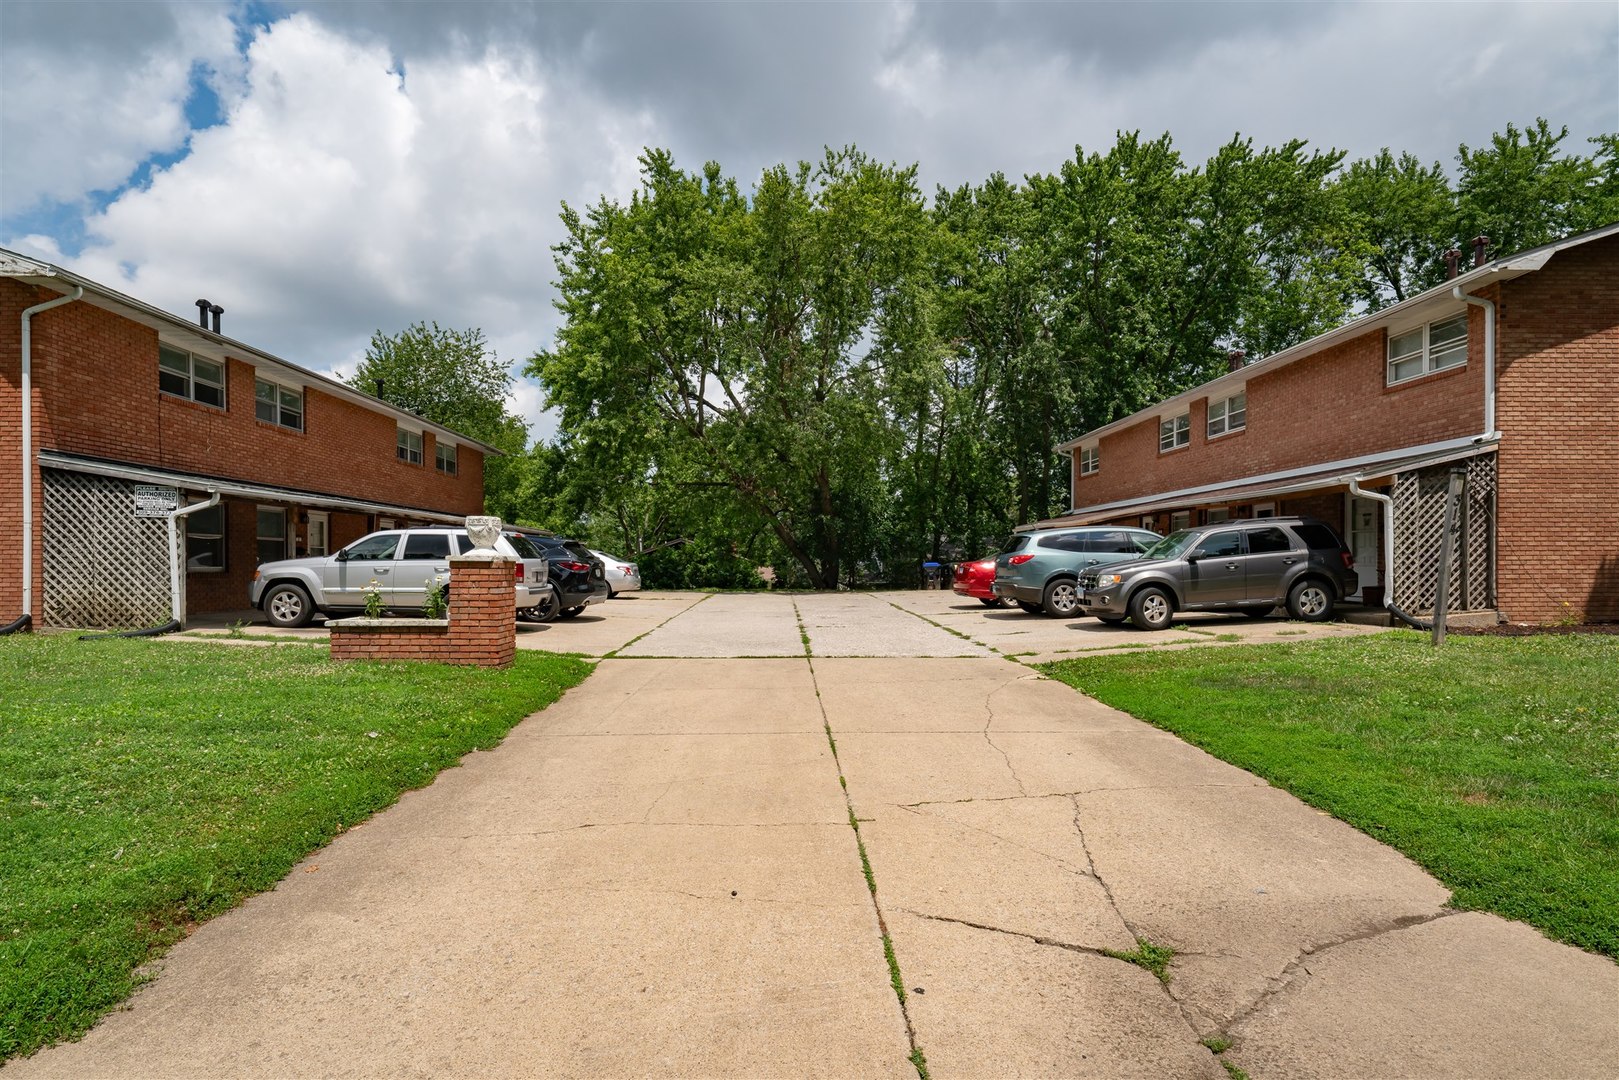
x: 1419, y: 518
x: 104, y: 567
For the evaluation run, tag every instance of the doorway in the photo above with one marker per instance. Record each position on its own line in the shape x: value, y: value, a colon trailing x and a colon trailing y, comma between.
x: 1363, y: 540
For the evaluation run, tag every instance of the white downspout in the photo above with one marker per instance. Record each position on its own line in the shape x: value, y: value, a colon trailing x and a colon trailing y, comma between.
x: 28, y: 445
x: 1489, y: 354
x: 176, y: 601
x: 1388, y: 535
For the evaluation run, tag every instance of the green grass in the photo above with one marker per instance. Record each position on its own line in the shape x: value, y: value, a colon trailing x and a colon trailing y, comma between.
x: 1154, y: 958
x: 1492, y: 762
x: 146, y: 786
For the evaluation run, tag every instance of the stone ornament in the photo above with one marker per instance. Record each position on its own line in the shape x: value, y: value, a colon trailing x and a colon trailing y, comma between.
x: 484, y: 532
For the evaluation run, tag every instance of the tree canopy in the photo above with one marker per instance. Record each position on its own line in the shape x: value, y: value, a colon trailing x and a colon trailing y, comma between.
x: 829, y: 373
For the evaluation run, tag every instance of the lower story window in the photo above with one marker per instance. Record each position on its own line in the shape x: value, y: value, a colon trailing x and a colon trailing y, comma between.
x: 205, y: 540
x: 272, y: 534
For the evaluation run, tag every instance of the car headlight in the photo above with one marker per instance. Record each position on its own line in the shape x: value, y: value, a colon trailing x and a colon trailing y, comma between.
x: 1104, y: 580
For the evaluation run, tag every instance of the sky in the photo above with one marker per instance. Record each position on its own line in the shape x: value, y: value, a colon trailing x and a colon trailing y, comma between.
x: 326, y: 170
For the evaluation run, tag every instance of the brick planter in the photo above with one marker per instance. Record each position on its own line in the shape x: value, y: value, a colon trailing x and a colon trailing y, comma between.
x: 481, y: 630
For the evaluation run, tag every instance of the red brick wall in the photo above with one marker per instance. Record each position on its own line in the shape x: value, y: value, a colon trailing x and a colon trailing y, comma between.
x: 96, y: 393
x: 1556, y: 406
x: 482, y: 629
x: 1330, y: 406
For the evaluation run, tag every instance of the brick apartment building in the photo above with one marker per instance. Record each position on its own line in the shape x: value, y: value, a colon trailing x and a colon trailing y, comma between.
x: 1509, y: 371
x: 129, y: 403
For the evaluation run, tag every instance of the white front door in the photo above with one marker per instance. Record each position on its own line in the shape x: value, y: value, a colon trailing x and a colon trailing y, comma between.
x: 1363, y: 529
x: 319, y: 530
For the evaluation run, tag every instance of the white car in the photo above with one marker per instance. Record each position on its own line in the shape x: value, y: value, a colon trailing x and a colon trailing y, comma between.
x: 622, y: 576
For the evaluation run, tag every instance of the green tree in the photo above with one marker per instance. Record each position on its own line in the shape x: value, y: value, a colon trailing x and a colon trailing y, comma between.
x: 453, y: 378
x: 1521, y: 190
x: 1403, y: 212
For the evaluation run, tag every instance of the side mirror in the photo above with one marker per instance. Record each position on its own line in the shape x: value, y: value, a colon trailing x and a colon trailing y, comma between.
x: 1193, y: 556
x: 343, y: 556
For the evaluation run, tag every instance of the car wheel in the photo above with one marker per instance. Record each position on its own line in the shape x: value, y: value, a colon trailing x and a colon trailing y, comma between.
x: 288, y: 605
x: 1032, y: 609
x: 1258, y: 611
x: 1061, y: 599
x: 1310, y: 600
x: 1111, y: 620
x: 612, y: 594
x: 1151, y: 609
x: 994, y: 601
x: 568, y: 613
x: 546, y: 610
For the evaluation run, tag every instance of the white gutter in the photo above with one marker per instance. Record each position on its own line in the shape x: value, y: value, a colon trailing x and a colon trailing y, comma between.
x: 176, y: 599
x: 28, y: 445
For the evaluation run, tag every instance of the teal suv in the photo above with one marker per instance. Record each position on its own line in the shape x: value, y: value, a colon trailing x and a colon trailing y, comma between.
x: 1040, y: 569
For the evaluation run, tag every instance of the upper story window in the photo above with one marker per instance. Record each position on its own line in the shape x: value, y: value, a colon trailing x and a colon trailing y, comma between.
x: 192, y: 377
x: 1174, y: 432
x: 1427, y: 349
x: 1090, y: 460
x: 277, y: 404
x: 444, y: 457
x: 409, y: 446
x: 1228, y: 415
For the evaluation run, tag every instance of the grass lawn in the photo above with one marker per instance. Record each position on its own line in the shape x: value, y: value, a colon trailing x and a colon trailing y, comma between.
x: 146, y: 786
x: 1493, y: 762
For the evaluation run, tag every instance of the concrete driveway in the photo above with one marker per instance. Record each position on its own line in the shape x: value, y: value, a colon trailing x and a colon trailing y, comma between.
x: 658, y: 875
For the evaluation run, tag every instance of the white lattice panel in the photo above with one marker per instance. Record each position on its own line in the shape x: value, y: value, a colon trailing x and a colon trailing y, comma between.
x: 104, y: 567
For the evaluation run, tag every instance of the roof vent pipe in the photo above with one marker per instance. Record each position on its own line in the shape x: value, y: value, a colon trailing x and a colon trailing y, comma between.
x: 1235, y: 359
x: 1453, y: 261
x: 202, y: 314
x: 379, y: 389
x: 1480, y: 244
x: 216, y: 311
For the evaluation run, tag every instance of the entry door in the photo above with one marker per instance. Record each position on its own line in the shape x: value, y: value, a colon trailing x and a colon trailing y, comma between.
x: 1363, y: 518
x: 320, y: 533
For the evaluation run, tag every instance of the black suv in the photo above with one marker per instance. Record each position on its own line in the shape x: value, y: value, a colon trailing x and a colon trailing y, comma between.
x: 1247, y: 567
x: 578, y: 577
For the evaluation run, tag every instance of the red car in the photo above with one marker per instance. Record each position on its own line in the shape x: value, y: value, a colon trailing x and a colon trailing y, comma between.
x: 974, y: 579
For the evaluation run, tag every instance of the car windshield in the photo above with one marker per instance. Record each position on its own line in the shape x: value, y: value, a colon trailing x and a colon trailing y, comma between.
x: 1172, y: 545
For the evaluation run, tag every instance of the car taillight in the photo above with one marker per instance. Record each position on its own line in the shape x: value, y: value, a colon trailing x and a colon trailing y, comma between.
x: 987, y: 564
x: 576, y: 567
x: 1019, y: 560
x: 1349, y: 560
x: 517, y: 573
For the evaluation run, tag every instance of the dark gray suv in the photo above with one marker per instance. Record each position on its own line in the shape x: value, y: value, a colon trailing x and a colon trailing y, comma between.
x: 1246, y: 567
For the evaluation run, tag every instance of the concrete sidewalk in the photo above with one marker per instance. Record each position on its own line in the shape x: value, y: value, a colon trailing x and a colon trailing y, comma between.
x: 658, y: 875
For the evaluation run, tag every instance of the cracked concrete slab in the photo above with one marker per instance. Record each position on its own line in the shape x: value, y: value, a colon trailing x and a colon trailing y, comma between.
x: 1465, y: 996
x: 602, y: 628
x: 726, y: 625
x: 992, y: 1004
x: 862, y: 624
x: 1016, y: 864
x: 1240, y: 880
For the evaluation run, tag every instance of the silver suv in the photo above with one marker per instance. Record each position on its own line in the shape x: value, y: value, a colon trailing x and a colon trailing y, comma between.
x: 1246, y: 567
x: 403, y: 562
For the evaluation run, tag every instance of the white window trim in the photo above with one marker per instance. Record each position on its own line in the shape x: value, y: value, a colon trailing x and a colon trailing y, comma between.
x: 223, y: 536
x: 1264, y: 510
x: 1426, y: 354
x: 421, y: 445
x: 191, y: 377
x: 1208, y: 419
x: 1095, y: 460
x: 1175, y: 419
x: 282, y: 384
x: 455, y: 457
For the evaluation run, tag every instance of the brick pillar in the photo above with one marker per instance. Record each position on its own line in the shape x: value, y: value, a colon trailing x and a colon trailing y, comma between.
x: 483, y: 610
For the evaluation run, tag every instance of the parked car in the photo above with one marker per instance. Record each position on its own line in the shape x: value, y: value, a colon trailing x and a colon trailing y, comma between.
x: 1247, y: 567
x: 622, y: 575
x: 977, y: 579
x: 1039, y: 569
x: 579, y: 578
x: 402, y: 562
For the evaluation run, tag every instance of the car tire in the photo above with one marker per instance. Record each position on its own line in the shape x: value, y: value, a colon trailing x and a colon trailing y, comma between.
x: 1310, y: 600
x: 1032, y: 609
x: 995, y: 602
x: 1152, y: 609
x: 1111, y: 620
x: 612, y: 594
x: 1258, y: 611
x: 547, y: 609
x: 1061, y: 599
x: 569, y: 613
x: 288, y: 606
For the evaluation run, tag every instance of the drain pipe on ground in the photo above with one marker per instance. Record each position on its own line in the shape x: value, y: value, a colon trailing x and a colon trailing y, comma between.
x: 26, y: 620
